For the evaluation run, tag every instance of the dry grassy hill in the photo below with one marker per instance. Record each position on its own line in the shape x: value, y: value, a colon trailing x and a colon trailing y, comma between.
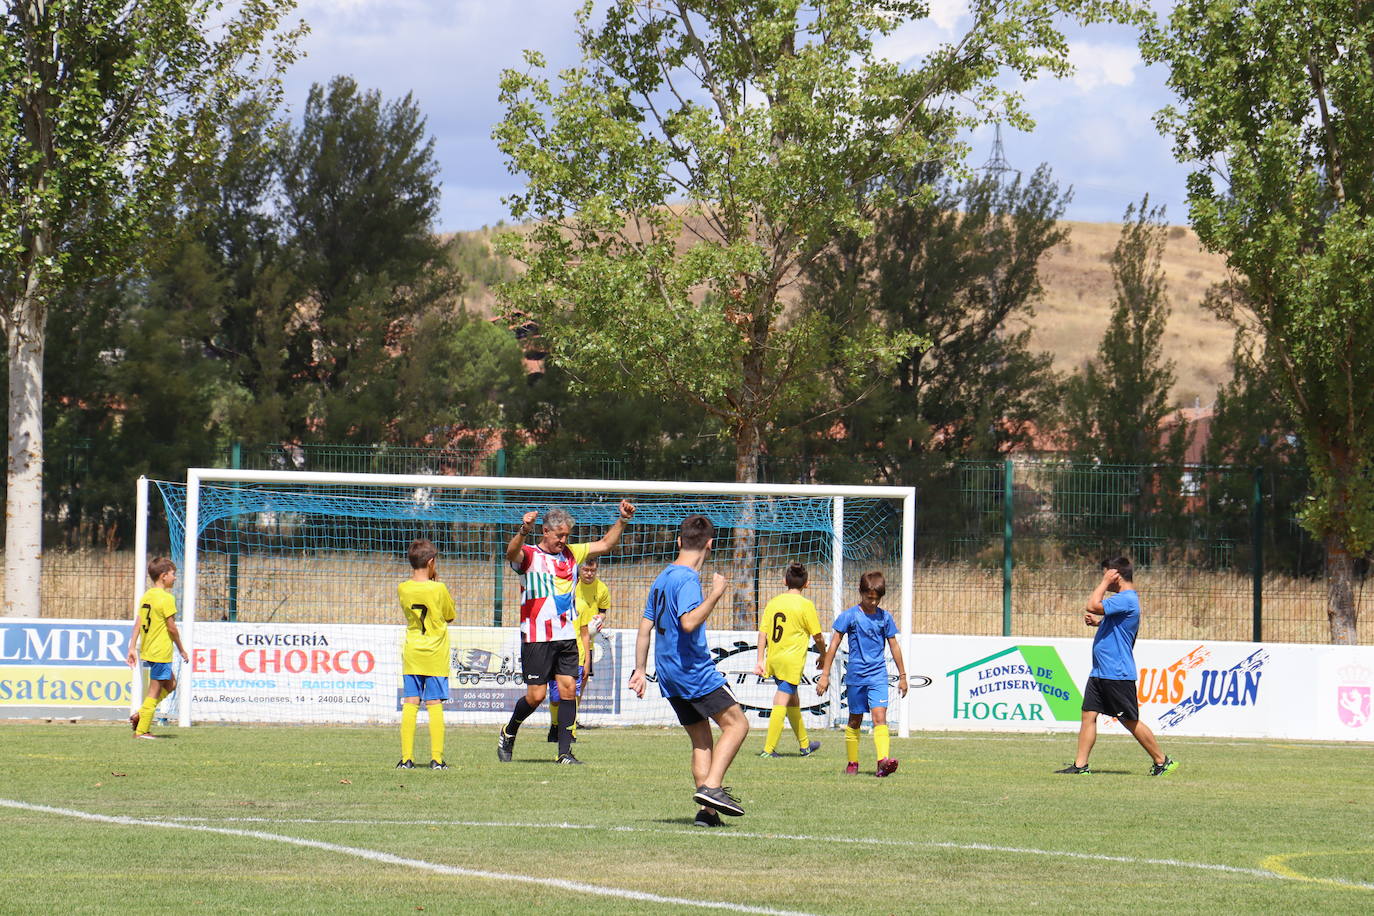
x: 1078, y: 293
x: 1077, y: 277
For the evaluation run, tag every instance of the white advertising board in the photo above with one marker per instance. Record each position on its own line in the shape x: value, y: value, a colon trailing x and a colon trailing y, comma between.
x: 262, y: 672
x: 1185, y: 687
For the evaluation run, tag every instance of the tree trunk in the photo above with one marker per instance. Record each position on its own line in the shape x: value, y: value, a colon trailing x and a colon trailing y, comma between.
x: 744, y: 606
x: 1340, y: 592
x: 24, y: 476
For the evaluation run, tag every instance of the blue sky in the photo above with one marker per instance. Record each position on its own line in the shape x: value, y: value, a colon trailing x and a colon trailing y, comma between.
x: 1095, y: 130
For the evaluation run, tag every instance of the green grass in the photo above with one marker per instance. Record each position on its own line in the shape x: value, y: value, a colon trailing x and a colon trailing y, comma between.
x: 969, y: 823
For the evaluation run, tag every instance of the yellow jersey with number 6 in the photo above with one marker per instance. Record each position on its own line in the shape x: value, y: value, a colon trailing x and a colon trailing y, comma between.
x: 428, y: 608
x: 788, y: 623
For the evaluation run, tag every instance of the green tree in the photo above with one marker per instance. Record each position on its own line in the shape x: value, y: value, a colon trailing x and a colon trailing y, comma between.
x: 683, y: 178
x: 961, y: 270
x: 1252, y: 433
x: 359, y: 199
x: 1114, y: 411
x: 105, y: 101
x: 1276, y: 116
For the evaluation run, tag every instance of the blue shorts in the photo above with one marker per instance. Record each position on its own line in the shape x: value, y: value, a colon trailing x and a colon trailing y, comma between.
x: 865, y: 696
x: 158, y: 671
x: 553, y: 685
x: 425, y: 686
x: 786, y: 687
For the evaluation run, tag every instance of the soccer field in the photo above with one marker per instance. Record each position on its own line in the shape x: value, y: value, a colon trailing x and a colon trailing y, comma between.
x: 315, y: 820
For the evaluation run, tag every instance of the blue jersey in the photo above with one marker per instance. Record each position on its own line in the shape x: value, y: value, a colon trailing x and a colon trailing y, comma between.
x: 682, y: 660
x: 1112, y: 658
x: 868, y: 635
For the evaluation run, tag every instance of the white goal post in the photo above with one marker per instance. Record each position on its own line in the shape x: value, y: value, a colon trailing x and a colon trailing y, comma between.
x: 501, y: 501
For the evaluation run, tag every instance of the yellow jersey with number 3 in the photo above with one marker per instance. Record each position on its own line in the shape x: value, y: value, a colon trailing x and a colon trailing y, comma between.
x: 788, y: 623
x: 154, y: 608
x: 428, y: 608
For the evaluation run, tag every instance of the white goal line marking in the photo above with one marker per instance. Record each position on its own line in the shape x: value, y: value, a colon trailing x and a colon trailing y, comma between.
x: 808, y: 838
x: 387, y: 858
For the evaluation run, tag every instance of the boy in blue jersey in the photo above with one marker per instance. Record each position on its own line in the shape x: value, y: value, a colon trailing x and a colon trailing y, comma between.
x: 686, y: 672
x: 865, y: 678
x: 1114, y: 608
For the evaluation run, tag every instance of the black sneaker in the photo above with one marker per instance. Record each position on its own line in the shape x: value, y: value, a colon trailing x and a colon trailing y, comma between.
x: 719, y: 798
x: 1163, y: 769
x: 569, y: 759
x: 1075, y: 770
x: 438, y: 765
x: 505, y: 746
x: 706, y: 817
x: 406, y: 765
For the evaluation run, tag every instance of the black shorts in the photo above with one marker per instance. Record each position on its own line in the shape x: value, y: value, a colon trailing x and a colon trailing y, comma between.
x: 1113, y: 698
x: 690, y: 712
x: 540, y: 662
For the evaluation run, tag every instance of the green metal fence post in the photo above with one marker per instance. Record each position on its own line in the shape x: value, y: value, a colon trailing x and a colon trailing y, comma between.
x: 1007, y: 495
x: 235, y: 462
x: 498, y: 578
x: 1257, y: 553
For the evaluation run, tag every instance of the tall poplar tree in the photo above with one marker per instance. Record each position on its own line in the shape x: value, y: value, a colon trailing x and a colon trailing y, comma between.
x: 1275, y: 115
x: 102, y: 102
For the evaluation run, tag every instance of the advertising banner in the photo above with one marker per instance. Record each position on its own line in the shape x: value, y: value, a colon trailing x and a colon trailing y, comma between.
x: 351, y: 673
x: 1184, y: 687
x: 69, y: 668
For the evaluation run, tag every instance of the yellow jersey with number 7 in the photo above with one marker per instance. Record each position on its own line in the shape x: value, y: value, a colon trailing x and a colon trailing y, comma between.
x: 428, y: 608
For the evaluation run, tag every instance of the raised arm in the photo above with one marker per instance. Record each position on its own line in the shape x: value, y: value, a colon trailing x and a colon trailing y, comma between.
x: 515, y: 547
x: 612, y: 536
x: 1095, y: 600
x: 697, y: 615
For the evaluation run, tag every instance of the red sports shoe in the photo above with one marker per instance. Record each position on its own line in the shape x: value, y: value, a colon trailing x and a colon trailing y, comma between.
x: 887, y: 766
x: 851, y: 769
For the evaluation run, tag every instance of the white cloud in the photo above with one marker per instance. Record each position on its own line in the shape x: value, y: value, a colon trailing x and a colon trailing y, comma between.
x: 1099, y: 65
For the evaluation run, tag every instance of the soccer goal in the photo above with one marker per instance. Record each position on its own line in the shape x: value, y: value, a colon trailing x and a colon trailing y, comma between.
x: 288, y: 584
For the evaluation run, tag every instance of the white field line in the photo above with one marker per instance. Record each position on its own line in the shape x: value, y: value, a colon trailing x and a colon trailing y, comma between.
x: 807, y: 838
x: 387, y: 858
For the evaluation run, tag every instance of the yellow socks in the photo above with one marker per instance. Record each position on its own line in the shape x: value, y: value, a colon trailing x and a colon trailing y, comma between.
x: 882, y: 741
x: 794, y: 718
x: 775, y: 722
x: 409, y: 713
x: 145, y: 714
x: 436, y: 731
x: 851, y: 744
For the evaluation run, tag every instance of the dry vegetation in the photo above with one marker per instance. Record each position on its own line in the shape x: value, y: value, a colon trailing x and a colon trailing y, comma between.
x: 1046, y: 601
x: 1069, y: 322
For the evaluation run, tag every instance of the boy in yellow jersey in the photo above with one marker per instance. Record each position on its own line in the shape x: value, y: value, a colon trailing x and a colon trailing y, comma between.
x: 784, y: 625
x: 154, y: 633
x: 593, y: 598
x: 428, y: 609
